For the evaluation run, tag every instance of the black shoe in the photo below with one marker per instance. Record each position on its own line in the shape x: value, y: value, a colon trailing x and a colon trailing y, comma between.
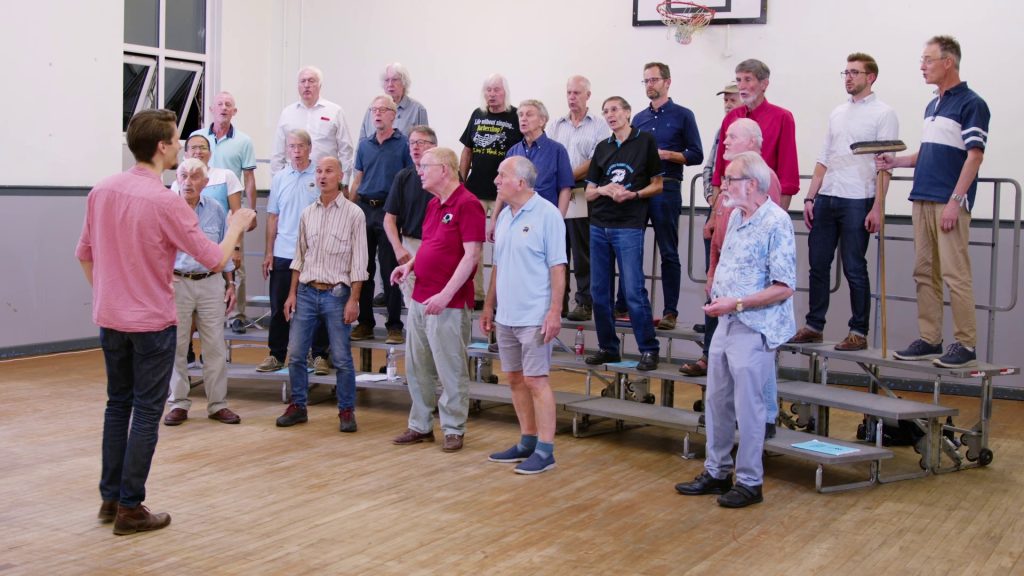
x: 295, y: 414
x: 704, y: 484
x: 648, y: 361
x: 741, y: 496
x: 478, y: 305
x: 238, y: 326
x: 769, y: 430
x: 603, y: 357
x: 378, y: 300
x: 698, y: 328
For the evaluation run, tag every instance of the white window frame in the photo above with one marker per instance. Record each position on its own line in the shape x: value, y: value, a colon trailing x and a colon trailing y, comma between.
x: 182, y: 60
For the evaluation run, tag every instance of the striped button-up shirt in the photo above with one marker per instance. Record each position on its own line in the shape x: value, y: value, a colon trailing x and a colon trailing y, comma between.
x: 579, y: 141
x: 332, y: 243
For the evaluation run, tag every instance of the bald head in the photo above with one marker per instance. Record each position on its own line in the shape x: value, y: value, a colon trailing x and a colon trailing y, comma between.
x: 328, y: 175
x: 743, y: 135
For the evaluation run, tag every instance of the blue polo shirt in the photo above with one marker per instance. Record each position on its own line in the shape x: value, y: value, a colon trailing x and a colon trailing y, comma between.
x: 554, y: 171
x: 291, y: 191
x: 674, y: 128
x: 526, y: 246
x: 232, y: 152
x: 953, y: 124
x: 213, y: 223
x: 380, y: 162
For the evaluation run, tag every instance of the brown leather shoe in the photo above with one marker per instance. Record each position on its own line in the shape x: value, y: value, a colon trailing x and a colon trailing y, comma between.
x: 806, y: 336
x: 668, y: 322
x: 452, y: 443
x: 175, y: 417
x: 226, y: 416
x: 362, y: 332
x: 694, y: 369
x: 395, y: 336
x: 139, y: 519
x: 411, y: 436
x: 853, y: 342
x: 108, y: 511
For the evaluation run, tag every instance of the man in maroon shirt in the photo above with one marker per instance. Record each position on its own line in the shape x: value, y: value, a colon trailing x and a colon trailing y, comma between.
x: 440, y: 318
x: 778, y: 130
x: 133, y: 229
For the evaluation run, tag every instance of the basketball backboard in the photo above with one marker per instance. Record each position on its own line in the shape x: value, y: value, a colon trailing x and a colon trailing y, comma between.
x: 645, y: 12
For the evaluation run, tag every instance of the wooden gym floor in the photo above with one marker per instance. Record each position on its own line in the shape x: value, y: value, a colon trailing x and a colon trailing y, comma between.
x: 255, y: 499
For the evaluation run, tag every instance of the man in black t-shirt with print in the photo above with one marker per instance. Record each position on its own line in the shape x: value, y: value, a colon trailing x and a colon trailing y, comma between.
x: 624, y: 172
x: 493, y: 128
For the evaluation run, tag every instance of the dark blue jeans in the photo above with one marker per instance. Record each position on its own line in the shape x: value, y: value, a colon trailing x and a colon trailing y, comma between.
x: 839, y: 221
x: 326, y: 307
x: 626, y: 247
x: 139, y: 366
x: 663, y: 213
x: 277, y: 339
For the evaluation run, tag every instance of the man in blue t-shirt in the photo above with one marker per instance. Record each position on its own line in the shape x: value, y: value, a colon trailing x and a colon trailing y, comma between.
x: 945, y: 180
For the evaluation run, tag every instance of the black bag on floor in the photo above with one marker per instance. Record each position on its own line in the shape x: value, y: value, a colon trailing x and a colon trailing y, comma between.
x: 905, y: 433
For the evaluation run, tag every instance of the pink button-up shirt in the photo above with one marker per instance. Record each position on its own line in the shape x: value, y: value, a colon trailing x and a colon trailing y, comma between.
x: 133, y: 229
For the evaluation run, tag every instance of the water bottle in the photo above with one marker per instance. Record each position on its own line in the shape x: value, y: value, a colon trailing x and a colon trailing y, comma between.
x: 579, y: 348
x: 392, y: 368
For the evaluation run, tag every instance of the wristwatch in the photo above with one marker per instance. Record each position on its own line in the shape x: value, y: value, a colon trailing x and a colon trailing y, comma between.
x: 739, y: 304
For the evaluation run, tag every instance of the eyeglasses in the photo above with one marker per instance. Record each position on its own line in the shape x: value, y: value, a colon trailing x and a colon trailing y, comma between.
x: 647, y: 81
x: 929, y: 60
x: 419, y: 142
x: 424, y: 165
x: 380, y: 109
x: 851, y: 73
x: 728, y: 180
x: 202, y: 147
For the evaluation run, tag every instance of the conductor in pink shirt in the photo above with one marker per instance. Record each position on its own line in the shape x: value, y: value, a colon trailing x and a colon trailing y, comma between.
x: 133, y: 228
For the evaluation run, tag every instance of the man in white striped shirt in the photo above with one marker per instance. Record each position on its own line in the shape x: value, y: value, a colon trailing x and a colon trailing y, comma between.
x: 327, y: 276
x: 579, y: 131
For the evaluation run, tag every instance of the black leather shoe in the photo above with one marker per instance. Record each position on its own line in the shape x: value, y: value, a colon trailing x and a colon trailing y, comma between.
x: 648, y: 361
x: 769, y: 430
x: 741, y: 496
x: 704, y: 484
x: 603, y: 357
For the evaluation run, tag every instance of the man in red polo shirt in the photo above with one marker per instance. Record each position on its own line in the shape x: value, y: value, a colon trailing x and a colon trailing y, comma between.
x: 133, y: 229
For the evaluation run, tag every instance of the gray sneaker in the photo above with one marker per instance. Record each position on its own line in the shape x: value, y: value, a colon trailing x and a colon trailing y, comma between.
x: 270, y: 364
x: 957, y: 356
x: 321, y: 366
x: 919, y: 350
x: 581, y: 313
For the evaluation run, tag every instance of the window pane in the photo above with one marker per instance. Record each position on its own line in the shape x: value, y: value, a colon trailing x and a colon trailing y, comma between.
x: 136, y: 89
x: 184, y: 95
x: 142, y: 22
x: 194, y: 117
x: 186, y: 26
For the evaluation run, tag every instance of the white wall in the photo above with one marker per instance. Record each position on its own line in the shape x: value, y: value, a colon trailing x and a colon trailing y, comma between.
x: 451, y: 46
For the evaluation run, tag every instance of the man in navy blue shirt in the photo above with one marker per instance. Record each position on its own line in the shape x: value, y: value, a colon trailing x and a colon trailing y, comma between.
x: 945, y: 180
x: 378, y: 159
x: 675, y: 130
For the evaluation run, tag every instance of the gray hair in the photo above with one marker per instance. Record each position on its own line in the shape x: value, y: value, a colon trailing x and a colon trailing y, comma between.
x: 301, y: 135
x: 387, y: 100
x: 751, y: 165
x: 541, y: 108
x: 426, y: 131
x: 493, y: 79
x: 401, y: 71
x: 756, y: 67
x: 582, y: 80
x: 524, y: 170
x: 316, y: 72
x: 191, y: 166
x: 749, y: 128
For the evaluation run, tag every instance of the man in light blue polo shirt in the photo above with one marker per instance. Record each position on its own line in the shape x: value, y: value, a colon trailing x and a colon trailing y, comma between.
x: 529, y: 277
x: 292, y: 189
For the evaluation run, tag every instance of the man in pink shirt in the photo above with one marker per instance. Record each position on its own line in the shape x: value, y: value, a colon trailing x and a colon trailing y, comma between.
x: 133, y: 228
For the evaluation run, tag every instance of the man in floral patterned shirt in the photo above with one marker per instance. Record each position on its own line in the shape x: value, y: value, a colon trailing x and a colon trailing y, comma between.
x: 752, y: 298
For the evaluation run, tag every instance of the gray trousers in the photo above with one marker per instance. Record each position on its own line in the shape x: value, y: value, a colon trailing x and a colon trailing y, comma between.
x: 739, y: 367
x: 436, y: 352
x: 205, y: 298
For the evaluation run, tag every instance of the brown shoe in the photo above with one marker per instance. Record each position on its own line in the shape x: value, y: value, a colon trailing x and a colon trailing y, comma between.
x: 411, y: 436
x: 270, y: 364
x: 452, y: 443
x: 668, y: 322
x: 395, y: 336
x: 108, y: 511
x: 362, y: 332
x: 139, y: 519
x: 698, y: 368
x: 175, y: 417
x: 853, y: 342
x: 321, y: 366
x: 806, y: 336
x: 226, y: 416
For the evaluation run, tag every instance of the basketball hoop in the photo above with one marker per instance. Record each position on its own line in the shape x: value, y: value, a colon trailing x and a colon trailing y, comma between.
x: 685, y: 19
